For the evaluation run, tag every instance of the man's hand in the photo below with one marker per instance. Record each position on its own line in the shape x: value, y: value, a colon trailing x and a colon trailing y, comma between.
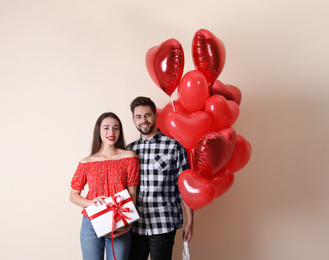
x: 188, y: 232
x: 119, y: 231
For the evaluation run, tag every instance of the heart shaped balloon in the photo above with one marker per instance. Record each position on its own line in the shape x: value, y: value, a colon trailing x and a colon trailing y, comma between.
x: 224, y: 112
x: 165, y: 65
x: 165, y: 111
x: 193, y: 91
x: 228, y: 91
x: 222, y: 183
x: 196, y: 190
x: 208, y: 55
x: 214, y: 151
x: 188, y: 129
x: 240, y: 156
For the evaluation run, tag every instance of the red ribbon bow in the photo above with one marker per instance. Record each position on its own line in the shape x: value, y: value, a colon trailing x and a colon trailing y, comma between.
x: 117, y: 210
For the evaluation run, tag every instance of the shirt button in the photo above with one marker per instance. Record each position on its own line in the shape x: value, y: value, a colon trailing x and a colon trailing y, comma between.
x: 146, y: 189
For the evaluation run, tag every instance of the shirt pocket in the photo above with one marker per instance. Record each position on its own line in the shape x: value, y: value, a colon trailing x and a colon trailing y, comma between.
x: 162, y: 162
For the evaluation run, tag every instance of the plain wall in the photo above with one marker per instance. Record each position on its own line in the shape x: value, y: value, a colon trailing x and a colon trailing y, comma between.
x: 63, y: 63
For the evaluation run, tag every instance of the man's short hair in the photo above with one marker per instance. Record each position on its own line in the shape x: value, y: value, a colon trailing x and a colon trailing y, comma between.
x: 142, y: 101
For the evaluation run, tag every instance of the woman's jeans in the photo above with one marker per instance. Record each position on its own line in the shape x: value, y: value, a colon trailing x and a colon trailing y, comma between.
x: 93, y: 247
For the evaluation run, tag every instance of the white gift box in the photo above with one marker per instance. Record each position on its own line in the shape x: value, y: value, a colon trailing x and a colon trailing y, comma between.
x: 120, y: 205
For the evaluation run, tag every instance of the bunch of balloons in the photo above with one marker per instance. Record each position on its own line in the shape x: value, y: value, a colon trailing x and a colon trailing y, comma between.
x: 201, y: 119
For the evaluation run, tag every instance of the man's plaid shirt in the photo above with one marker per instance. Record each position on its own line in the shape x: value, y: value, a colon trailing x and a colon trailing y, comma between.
x: 161, y: 160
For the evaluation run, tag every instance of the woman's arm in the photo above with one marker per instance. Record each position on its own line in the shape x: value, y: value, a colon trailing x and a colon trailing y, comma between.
x: 132, y: 192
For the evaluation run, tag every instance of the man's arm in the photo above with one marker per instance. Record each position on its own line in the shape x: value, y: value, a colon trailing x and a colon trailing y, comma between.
x: 188, y: 229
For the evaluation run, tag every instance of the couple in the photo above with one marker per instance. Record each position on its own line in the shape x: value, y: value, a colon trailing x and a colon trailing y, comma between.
x: 154, y: 161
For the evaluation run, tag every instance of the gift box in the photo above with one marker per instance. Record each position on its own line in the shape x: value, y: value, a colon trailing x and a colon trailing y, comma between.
x: 119, y: 211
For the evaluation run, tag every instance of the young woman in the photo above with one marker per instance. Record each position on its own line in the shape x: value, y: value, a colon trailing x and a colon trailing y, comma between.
x: 108, y: 170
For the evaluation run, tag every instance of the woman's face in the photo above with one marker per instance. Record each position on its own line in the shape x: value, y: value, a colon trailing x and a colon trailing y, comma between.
x: 110, y: 130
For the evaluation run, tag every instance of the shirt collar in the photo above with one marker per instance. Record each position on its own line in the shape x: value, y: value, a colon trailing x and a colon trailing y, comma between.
x: 153, y: 139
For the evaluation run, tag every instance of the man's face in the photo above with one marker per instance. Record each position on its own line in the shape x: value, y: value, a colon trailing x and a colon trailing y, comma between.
x: 145, y: 121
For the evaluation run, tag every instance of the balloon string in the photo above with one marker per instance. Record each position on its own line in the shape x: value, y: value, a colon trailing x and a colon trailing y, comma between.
x: 197, y: 213
x: 191, y: 154
x: 172, y: 103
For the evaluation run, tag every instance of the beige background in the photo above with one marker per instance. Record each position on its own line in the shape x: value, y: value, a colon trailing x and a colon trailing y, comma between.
x: 63, y: 63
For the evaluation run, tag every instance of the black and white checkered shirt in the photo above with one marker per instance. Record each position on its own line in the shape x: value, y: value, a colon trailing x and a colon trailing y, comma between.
x: 161, y: 160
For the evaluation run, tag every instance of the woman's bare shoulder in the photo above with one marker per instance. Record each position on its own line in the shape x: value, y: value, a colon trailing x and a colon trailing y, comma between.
x: 127, y: 153
x: 88, y: 159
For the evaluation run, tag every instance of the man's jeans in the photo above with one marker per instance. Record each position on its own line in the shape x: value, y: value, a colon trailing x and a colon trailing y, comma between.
x: 159, y: 246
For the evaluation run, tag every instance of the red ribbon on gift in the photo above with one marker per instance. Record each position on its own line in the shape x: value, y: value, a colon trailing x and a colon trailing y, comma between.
x: 117, y: 209
x: 112, y: 207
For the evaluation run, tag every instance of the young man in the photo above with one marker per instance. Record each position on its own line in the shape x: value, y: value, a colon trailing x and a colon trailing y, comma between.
x: 161, y: 161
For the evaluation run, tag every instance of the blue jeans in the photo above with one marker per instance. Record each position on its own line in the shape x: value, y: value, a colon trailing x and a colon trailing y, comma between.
x: 93, y: 247
x: 158, y: 246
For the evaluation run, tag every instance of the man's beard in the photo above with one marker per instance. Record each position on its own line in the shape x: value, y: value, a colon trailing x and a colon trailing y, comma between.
x: 146, y: 131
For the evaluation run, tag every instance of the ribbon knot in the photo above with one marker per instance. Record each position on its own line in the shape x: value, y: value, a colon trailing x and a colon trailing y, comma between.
x: 117, y: 209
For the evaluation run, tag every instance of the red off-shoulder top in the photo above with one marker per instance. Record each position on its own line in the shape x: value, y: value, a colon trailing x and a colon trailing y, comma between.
x: 106, y: 178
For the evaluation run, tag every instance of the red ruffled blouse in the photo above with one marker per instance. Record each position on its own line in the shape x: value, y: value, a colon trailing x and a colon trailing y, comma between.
x: 105, y: 178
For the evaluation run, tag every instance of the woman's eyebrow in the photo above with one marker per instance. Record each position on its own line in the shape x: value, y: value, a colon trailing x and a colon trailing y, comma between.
x: 108, y: 125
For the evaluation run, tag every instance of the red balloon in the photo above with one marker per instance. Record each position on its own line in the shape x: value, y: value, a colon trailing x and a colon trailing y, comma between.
x: 214, y: 151
x: 208, y: 54
x: 228, y: 91
x: 164, y: 112
x: 196, y: 190
x: 193, y: 91
x: 188, y: 129
x: 165, y: 65
x: 224, y: 112
x: 222, y: 183
x: 240, y: 156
